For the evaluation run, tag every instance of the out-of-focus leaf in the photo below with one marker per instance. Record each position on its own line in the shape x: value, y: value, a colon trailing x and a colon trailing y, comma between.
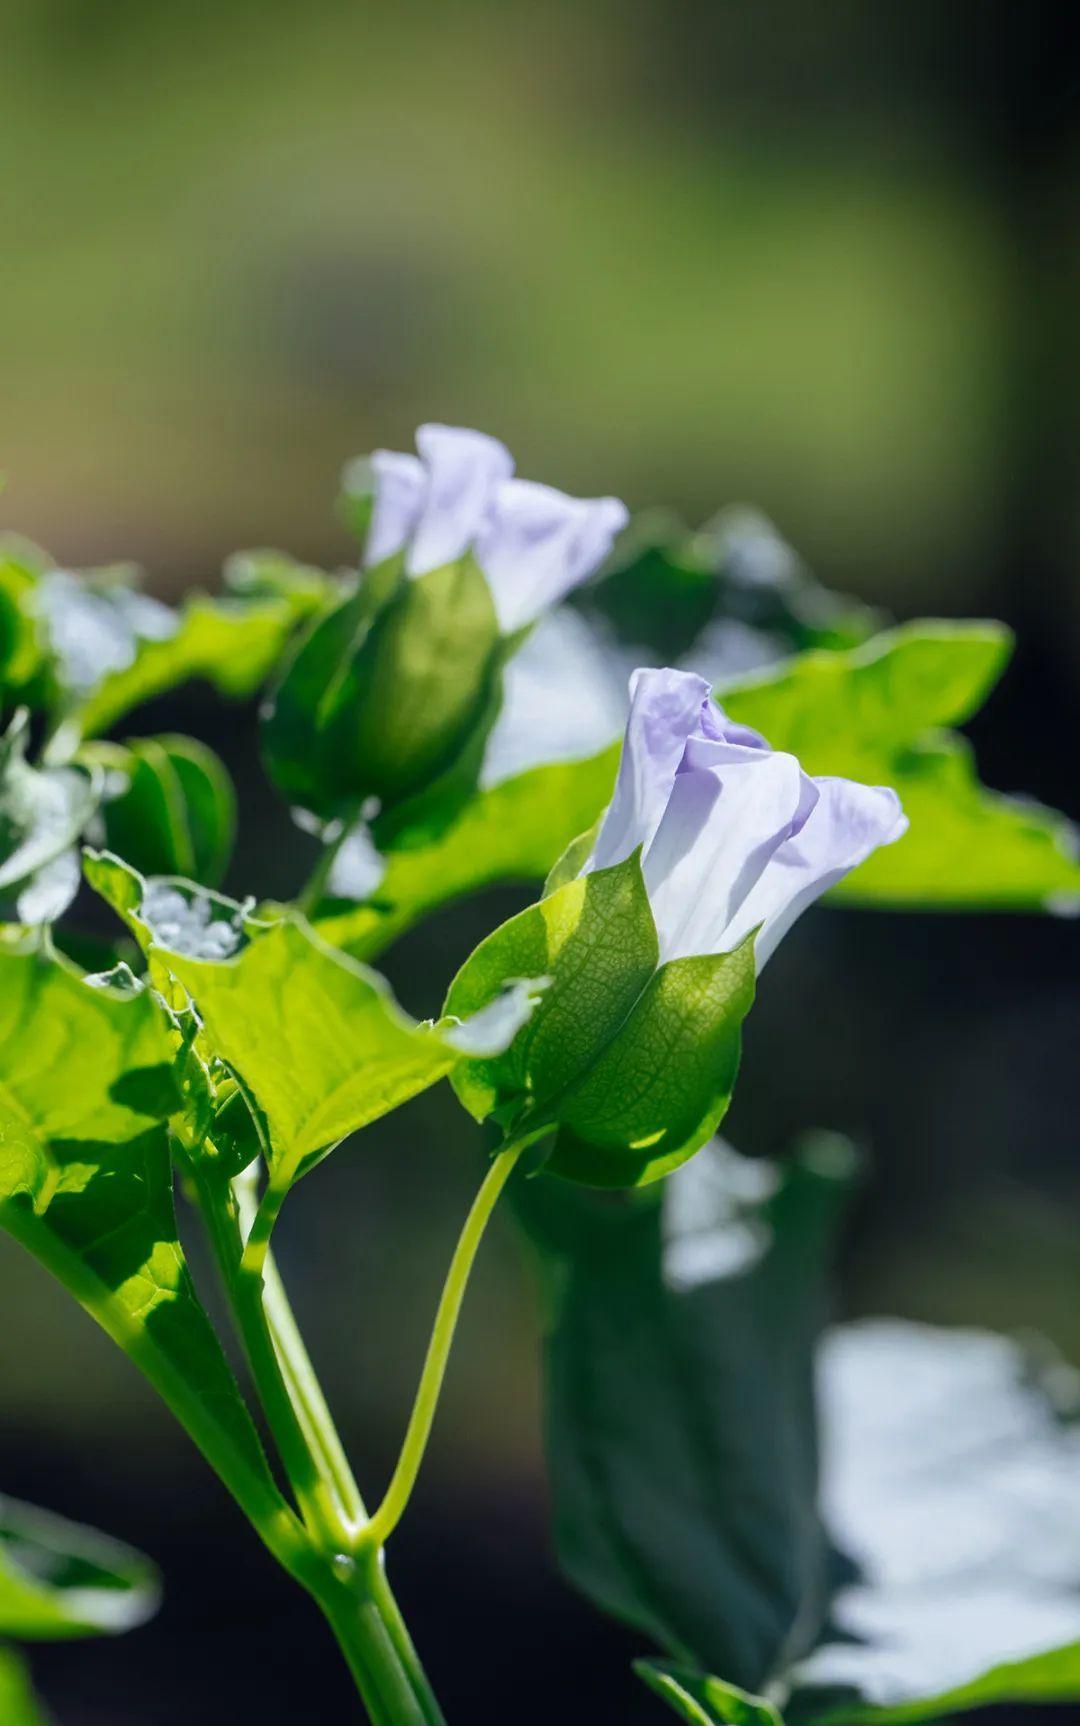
x: 42, y: 813
x: 21, y: 647
x: 725, y: 596
x: 315, y: 1040
x: 268, y: 574
x: 233, y: 644
x: 944, y: 1573
x: 59, y: 1579
x: 951, y: 1484
x: 875, y: 714
x: 18, y: 1704
x: 679, y: 1392
x: 632, y: 1061
x: 169, y: 808
x: 86, y: 1081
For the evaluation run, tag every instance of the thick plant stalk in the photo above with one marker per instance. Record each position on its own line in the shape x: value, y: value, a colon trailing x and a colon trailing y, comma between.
x: 352, y: 1592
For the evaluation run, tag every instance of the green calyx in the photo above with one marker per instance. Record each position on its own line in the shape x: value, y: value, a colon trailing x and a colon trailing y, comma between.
x: 390, y: 697
x: 630, y: 1063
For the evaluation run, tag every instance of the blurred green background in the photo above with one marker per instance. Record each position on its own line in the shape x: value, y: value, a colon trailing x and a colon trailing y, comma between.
x: 820, y: 258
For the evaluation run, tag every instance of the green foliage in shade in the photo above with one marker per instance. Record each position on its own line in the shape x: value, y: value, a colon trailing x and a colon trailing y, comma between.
x: 510, y: 832
x: 58, y: 1579
x: 389, y: 696
x: 176, y: 811
x: 875, y: 713
x: 632, y: 1061
x: 86, y: 1081
x: 18, y: 1704
x: 705, y: 1701
x: 680, y: 1414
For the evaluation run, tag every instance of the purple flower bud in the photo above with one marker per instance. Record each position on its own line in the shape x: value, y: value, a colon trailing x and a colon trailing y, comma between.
x: 534, y: 544
x: 734, y: 835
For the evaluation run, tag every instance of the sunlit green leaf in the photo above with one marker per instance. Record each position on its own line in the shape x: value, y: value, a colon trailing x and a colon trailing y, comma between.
x: 875, y: 714
x: 633, y: 1061
x: 513, y: 832
x: 231, y: 643
x: 21, y: 646
x: 315, y: 1039
x: 58, y: 1579
x: 86, y: 1081
x: 170, y: 808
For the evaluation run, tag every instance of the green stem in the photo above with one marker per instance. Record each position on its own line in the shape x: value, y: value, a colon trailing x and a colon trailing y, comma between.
x: 323, y: 1439
x: 307, y: 900
x: 365, y: 1641
x: 221, y: 1217
x: 253, y: 1489
x: 305, y: 1391
x: 398, y: 1493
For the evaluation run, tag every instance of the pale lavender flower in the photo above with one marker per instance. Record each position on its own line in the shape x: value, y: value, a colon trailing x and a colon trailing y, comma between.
x: 734, y: 835
x: 533, y: 543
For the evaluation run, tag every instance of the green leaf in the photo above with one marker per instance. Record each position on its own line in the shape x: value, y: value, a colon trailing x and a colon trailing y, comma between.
x: 633, y: 1061
x: 233, y: 644
x: 513, y: 832
x: 18, y: 1704
x: 315, y: 1040
x: 86, y: 1081
x: 705, y: 1701
x: 387, y: 691
x: 176, y: 811
x: 58, y: 1579
x: 268, y: 574
x: 680, y: 1414
x: 874, y: 714
x: 313, y: 1037
x: 42, y: 813
x: 22, y: 652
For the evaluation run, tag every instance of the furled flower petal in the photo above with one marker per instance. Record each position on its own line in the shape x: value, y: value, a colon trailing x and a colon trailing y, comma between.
x: 665, y: 707
x: 735, y: 837
x: 398, y: 483
x: 728, y: 816
x: 463, y: 470
x: 848, y: 822
x: 537, y: 544
x: 533, y: 543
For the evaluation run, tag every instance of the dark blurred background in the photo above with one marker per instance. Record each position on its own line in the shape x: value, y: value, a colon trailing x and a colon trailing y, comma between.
x: 820, y: 258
